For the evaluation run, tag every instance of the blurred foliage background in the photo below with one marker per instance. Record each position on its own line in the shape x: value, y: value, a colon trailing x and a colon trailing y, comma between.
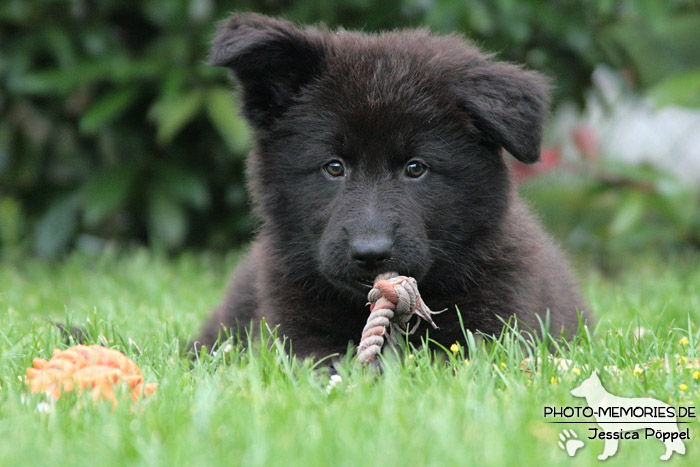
x: 113, y: 130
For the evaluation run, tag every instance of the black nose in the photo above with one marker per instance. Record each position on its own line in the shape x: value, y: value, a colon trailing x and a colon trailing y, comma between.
x: 370, y: 252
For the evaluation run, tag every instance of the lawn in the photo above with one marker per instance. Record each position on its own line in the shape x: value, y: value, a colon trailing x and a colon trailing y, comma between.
x: 259, y: 407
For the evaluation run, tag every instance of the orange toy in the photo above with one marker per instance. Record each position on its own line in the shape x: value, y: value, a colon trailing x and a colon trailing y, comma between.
x: 92, y: 367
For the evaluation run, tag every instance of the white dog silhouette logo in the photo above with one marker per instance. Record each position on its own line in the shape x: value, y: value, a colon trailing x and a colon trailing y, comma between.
x: 616, y: 416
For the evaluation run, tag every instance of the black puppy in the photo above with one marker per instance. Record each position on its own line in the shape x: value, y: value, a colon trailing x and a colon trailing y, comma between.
x: 378, y: 153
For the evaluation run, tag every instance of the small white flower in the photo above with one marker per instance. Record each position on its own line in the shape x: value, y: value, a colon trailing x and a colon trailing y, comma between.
x: 334, y: 381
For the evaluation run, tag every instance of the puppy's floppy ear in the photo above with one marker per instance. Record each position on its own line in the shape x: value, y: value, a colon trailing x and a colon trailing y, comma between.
x: 507, y: 104
x: 271, y: 58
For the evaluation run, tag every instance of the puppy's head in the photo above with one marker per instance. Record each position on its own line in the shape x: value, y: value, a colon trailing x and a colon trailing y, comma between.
x: 378, y: 153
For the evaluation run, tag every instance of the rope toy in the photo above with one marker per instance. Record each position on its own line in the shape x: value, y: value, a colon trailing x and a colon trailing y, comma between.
x: 393, y: 301
x: 93, y: 368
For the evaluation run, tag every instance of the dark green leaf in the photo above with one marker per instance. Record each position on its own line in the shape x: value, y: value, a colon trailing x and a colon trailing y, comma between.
x: 106, y: 192
x: 629, y: 214
x: 11, y: 221
x: 183, y: 186
x: 661, y: 49
x: 682, y: 89
x: 172, y: 114
x: 57, y: 227
x: 107, y: 109
x: 167, y: 223
x: 223, y: 113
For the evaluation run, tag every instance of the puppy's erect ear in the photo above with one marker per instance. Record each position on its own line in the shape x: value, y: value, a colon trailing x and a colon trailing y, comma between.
x: 271, y: 58
x: 507, y: 104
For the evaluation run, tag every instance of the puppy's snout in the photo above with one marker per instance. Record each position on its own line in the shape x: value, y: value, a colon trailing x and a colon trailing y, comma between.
x: 370, y: 252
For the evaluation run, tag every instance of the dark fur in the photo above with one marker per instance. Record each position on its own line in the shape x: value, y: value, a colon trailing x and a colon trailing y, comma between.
x: 378, y: 102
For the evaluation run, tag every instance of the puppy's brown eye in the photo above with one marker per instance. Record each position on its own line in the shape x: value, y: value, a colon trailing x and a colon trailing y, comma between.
x: 334, y: 169
x: 416, y: 169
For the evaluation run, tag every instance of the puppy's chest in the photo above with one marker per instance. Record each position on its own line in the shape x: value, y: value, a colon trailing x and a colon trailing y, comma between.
x: 304, y: 314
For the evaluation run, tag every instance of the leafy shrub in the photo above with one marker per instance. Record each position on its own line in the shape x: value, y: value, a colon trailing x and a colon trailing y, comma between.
x: 116, y: 128
x: 113, y: 128
x: 608, y: 209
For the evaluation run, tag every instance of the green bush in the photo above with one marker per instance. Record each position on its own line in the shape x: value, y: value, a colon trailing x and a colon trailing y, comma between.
x: 113, y: 128
x: 610, y: 212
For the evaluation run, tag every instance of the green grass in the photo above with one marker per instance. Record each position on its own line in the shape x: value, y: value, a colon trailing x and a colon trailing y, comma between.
x: 259, y: 407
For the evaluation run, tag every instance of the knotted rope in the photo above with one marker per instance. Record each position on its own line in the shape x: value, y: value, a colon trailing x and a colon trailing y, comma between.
x: 393, y: 301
